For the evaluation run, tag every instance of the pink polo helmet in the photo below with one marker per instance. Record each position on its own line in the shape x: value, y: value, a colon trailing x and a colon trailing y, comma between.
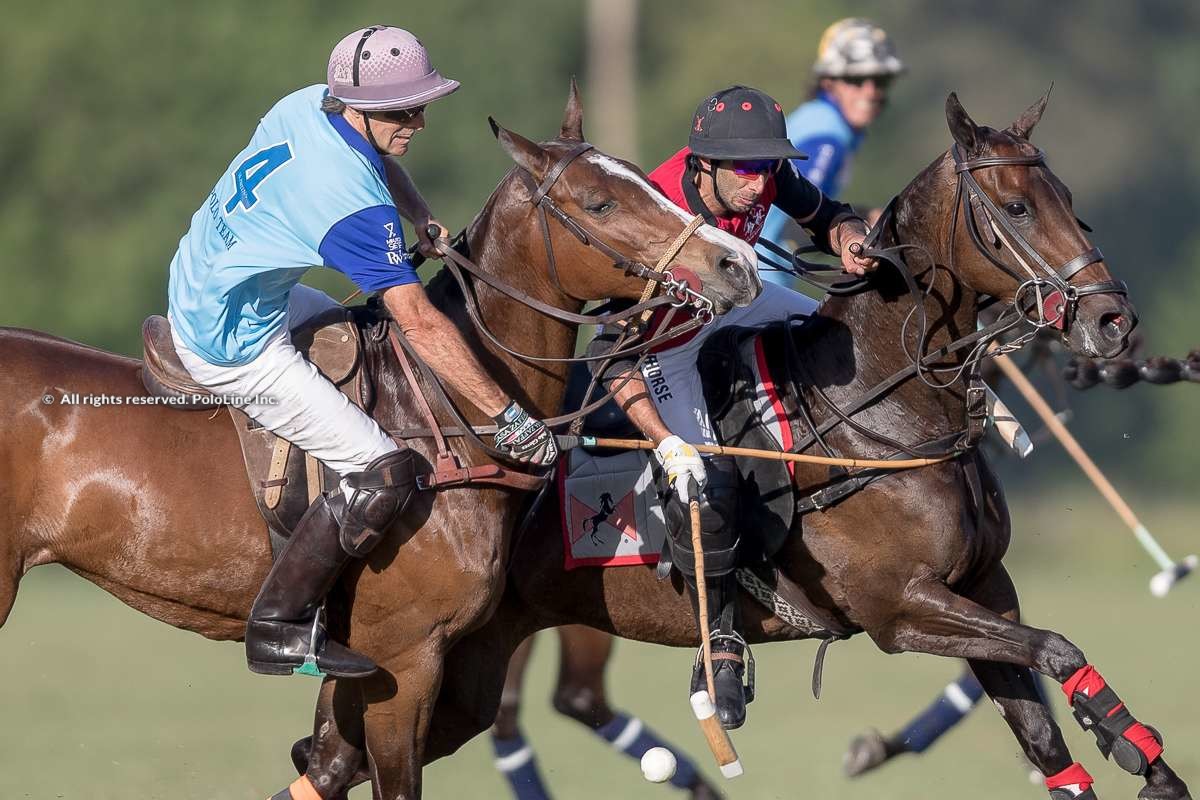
x: 381, y: 68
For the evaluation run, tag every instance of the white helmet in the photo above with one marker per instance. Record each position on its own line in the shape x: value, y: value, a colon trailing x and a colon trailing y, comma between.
x: 856, y: 48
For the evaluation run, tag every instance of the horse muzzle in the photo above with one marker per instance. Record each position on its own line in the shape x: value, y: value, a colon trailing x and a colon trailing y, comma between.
x: 1101, y: 326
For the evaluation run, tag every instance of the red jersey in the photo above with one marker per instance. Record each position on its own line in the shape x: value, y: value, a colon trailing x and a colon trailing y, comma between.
x: 668, y: 177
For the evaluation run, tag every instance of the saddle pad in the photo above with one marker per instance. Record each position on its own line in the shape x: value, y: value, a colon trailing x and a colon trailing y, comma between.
x: 610, y: 511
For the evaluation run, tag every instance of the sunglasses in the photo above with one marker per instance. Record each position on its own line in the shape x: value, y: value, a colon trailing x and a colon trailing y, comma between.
x: 880, y: 81
x: 759, y: 167
x: 401, y: 116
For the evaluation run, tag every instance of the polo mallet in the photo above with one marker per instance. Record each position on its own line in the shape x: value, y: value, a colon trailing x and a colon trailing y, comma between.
x: 1171, y: 572
x: 704, y: 702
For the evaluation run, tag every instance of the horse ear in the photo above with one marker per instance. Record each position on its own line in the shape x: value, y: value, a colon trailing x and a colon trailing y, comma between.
x: 572, y: 124
x: 962, y: 127
x: 527, y: 154
x: 1025, y: 123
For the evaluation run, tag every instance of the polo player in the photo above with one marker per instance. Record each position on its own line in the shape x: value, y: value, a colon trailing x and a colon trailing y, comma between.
x: 315, y: 187
x: 736, y: 166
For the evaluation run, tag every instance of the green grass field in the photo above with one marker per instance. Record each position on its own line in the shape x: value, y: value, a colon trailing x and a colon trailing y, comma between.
x: 100, y: 702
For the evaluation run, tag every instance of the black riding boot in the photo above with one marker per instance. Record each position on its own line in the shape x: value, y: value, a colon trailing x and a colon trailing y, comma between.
x: 284, y: 628
x: 729, y: 651
x: 284, y: 633
x: 719, y: 505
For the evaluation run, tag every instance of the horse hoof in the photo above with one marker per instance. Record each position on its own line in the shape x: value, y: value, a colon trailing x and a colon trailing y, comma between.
x: 866, y: 752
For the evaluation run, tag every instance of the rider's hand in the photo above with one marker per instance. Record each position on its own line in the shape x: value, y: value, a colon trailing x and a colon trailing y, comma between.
x: 525, y: 438
x: 853, y: 231
x: 424, y: 244
x: 680, y: 461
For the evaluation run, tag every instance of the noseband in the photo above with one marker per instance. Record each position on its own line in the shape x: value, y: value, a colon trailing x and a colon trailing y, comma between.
x: 1056, y: 307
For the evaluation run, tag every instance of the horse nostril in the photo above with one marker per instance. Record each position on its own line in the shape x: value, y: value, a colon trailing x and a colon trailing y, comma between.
x: 1115, y: 326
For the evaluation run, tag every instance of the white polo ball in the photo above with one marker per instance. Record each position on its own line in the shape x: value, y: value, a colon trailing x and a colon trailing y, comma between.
x: 658, y: 765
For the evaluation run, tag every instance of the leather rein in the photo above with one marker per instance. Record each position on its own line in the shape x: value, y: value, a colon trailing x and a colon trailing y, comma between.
x: 676, y: 294
x: 1055, y: 308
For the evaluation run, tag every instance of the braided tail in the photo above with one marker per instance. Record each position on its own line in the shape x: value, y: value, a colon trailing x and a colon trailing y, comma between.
x: 1121, y: 373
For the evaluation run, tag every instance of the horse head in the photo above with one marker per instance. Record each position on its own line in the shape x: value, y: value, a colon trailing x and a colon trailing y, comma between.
x: 1015, y: 237
x: 609, y: 211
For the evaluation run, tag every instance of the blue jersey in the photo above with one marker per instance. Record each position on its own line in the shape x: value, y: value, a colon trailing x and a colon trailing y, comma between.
x: 307, y: 191
x: 818, y: 130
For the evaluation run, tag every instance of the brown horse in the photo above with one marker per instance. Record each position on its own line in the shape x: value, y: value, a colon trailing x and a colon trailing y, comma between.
x: 152, y: 504
x: 914, y: 559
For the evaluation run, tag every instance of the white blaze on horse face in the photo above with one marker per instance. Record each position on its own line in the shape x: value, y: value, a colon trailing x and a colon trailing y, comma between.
x: 713, y: 235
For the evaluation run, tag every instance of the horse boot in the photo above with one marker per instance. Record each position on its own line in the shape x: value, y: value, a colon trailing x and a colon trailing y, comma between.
x: 285, y: 632
x: 718, y: 537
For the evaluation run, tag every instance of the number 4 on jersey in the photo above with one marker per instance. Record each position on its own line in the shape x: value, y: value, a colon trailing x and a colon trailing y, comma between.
x: 253, y: 171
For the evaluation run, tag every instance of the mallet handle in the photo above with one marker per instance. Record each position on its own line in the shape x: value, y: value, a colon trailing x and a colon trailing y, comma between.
x: 702, y: 593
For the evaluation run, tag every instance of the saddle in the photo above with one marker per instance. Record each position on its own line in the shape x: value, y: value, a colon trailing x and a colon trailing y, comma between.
x: 285, y: 480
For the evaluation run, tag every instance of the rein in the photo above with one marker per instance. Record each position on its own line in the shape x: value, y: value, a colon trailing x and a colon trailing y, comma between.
x: 677, y: 294
x: 1062, y: 301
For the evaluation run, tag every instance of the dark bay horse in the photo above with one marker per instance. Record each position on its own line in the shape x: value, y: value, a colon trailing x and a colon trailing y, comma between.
x: 152, y: 503
x: 914, y: 560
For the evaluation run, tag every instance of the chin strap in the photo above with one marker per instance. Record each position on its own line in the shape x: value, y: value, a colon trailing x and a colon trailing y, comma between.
x: 370, y: 133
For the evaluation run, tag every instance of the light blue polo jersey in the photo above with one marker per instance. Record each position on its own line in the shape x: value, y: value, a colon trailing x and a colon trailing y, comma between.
x: 307, y: 191
x: 818, y: 129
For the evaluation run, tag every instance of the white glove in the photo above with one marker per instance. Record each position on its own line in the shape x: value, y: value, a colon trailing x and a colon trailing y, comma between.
x: 680, y: 461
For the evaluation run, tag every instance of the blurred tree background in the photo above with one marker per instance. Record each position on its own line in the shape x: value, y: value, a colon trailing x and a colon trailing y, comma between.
x: 120, y: 118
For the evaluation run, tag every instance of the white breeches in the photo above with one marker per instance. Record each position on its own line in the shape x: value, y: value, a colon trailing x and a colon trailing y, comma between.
x: 673, y: 380
x: 306, y: 409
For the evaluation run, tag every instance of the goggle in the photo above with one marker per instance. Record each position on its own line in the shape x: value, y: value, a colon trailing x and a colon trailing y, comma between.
x: 401, y: 116
x: 880, y: 81
x: 759, y: 167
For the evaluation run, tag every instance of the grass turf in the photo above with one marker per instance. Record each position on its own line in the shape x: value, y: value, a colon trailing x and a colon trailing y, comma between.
x: 188, y: 721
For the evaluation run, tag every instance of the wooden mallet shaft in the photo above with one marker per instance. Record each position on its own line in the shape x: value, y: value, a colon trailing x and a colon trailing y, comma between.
x: 704, y: 703
x: 1171, y: 572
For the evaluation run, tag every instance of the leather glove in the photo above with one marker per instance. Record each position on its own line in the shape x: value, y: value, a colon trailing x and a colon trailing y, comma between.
x: 681, y: 462
x: 525, y: 438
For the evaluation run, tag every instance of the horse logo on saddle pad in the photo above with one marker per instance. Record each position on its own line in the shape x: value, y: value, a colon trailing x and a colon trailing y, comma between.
x: 611, y: 515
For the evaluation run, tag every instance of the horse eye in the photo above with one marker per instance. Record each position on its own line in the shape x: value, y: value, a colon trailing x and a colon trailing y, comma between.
x: 1015, y: 209
x: 601, y: 208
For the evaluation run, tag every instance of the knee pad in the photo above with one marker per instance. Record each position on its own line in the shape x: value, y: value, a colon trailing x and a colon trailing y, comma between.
x: 380, y: 493
x: 718, y: 520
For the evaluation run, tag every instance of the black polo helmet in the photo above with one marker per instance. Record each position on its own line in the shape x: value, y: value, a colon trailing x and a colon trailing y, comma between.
x: 740, y: 123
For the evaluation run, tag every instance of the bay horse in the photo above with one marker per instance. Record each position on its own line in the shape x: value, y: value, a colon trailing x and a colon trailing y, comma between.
x: 914, y: 559
x: 151, y: 503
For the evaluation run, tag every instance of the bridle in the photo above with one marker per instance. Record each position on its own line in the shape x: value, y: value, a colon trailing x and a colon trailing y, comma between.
x: 636, y: 340
x: 1055, y: 307
x: 1059, y: 305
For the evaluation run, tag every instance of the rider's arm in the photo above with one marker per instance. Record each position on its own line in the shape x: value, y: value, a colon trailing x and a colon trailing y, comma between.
x: 633, y: 398
x: 412, y: 206
x: 833, y: 225
x: 804, y: 202
x: 440, y: 345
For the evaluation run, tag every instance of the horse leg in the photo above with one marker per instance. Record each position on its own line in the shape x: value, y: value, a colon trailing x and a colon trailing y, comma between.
x: 580, y: 695
x: 332, y: 760
x: 933, y: 619
x: 399, y: 702
x: 514, y: 756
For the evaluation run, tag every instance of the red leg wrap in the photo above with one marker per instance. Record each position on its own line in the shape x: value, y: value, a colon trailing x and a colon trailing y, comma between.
x: 1074, y: 774
x: 1086, y: 680
x: 1141, y: 738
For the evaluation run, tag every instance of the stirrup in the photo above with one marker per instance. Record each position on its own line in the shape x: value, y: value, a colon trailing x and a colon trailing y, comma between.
x: 315, y: 640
